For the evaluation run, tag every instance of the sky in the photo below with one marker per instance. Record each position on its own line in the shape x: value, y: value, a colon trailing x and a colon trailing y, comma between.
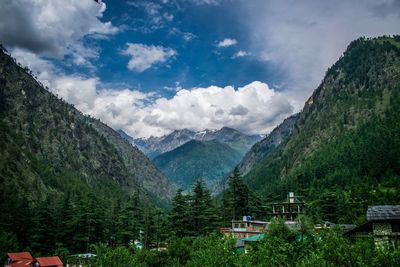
x: 151, y: 67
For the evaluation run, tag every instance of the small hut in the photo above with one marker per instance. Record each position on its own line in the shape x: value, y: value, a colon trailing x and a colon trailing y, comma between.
x: 18, y: 259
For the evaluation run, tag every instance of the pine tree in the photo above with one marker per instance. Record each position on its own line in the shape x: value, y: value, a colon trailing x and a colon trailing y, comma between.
x: 202, y: 210
x: 179, y: 215
x: 237, y: 196
x: 130, y: 220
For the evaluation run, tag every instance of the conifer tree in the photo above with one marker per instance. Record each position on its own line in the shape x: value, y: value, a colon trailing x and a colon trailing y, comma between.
x: 202, y: 210
x: 130, y: 220
x: 179, y: 215
x: 237, y: 196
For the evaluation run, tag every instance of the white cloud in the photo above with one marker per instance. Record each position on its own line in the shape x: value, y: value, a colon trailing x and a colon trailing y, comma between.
x: 304, y: 38
x: 52, y: 28
x: 144, y: 56
x: 254, y: 108
x: 241, y: 53
x: 226, y: 42
x: 188, y: 36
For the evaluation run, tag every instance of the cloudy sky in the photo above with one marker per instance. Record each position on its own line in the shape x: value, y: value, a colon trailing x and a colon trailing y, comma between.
x: 150, y: 67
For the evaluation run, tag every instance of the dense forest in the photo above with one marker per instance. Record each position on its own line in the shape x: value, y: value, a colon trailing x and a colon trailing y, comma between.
x: 344, y: 152
x: 343, y: 155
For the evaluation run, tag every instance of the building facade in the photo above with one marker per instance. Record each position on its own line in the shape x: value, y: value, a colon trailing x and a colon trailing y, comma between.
x: 383, y: 223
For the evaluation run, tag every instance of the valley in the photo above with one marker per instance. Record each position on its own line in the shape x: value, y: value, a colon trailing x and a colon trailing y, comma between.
x: 184, y: 156
x: 263, y: 184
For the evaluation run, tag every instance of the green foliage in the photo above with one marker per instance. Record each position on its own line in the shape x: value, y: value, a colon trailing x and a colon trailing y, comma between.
x: 120, y: 256
x: 8, y: 243
x: 280, y: 247
x: 179, y: 215
x: 195, y: 214
x: 213, y: 251
x: 235, y: 200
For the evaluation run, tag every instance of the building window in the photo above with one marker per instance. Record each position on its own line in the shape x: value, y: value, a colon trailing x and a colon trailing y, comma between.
x: 395, y: 227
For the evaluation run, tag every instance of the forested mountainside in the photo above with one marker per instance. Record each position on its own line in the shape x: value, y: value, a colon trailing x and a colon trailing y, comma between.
x: 54, y: 160
x: 208, y: 160
x: 344, y: 152
x: 151, y: 179
x: 264, y: 147
x: 155, y: 146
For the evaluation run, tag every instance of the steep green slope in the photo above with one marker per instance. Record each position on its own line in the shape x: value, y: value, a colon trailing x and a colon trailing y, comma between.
x: 209, y: 160
x: 266, y: 146
x: 157, y: 186
x: 53, y: 157
x: 344, y: 151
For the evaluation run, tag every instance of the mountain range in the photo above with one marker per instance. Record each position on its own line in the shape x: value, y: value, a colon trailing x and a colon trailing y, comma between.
x: 155, y: 146
x: 184, y: 155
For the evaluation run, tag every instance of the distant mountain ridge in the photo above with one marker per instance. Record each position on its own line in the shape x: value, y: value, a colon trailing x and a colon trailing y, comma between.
x: 208, y: 160
x: 154, y: 146
x: 185, y: 155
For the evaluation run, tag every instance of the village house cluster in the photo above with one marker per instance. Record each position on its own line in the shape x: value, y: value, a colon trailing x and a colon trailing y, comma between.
x: 248, y: 230
x: 383, y: 223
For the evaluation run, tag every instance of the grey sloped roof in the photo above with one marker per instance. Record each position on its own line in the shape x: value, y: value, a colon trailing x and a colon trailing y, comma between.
x: 386, y: 212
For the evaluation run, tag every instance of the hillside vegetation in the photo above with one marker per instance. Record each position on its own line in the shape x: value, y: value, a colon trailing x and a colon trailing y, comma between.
x: 65, y: 178
x: 209, y: 160
x: 344, y: 152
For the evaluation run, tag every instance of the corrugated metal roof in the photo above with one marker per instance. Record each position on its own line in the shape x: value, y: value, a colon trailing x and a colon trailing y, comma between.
x: 14, y: 256
x: 253, y: 238
x: 49, y: 261
x: 381, y: 213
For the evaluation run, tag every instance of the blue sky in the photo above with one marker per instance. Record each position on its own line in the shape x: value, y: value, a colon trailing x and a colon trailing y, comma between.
x: 193, y: 32
x: 150, y: 67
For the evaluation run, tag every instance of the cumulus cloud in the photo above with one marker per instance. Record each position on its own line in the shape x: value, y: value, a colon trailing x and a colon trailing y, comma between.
x: 238, y: 111
x: 51, y: 28
x: 241, y: 53
x: 227, y: 42
x: 306, y: 37
x: 254, y: 109
x: 144, y: 56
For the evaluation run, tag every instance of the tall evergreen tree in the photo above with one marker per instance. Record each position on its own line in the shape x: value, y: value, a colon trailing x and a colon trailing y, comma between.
x: 236, y: 197
x: 202, y: 210
x: 179, y: 215
x: 130, y: 219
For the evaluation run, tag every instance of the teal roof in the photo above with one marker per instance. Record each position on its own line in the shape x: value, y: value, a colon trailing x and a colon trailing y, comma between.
x: 253, y: 238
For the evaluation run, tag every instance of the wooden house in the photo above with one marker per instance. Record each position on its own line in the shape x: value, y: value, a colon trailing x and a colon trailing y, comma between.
x: 383, y: 223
